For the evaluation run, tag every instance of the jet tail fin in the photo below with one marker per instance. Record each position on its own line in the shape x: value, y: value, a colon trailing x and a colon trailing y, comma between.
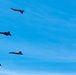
x: 20, y: 53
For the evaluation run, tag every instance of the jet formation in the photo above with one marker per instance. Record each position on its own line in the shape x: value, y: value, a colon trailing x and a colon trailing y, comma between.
x: 18, y: 10
x: 6, y: 33
x: 9, y: 34
x: 18, y: 53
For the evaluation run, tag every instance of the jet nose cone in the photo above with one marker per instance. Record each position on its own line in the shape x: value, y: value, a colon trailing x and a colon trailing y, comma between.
x: 10, y: 8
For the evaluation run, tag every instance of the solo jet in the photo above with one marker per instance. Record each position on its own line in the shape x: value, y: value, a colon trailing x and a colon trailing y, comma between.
x: 18, y: 10
x: 18, y: 53
x: 6, y: 33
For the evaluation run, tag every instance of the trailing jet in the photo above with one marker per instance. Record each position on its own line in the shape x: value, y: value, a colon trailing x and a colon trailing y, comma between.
x: 18, y: 53
x: 18, y: 10
x: 6, y: 33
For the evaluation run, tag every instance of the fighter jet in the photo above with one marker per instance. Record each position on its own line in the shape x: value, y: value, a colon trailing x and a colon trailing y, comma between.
x: 6, y: 33
x: 18, y: 53
x: 18, y: 10
x: 0, y: 65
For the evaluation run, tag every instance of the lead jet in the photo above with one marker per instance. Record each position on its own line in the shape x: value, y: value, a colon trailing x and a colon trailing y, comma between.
x: 18, y: 53
x: 6, y: 33
x: 18, y: 10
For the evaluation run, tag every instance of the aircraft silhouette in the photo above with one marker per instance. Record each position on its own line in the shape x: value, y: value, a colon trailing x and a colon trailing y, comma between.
x: 0, y: 65
x: 18, y: 10
x: 6, y: 33
x: 18, y: 53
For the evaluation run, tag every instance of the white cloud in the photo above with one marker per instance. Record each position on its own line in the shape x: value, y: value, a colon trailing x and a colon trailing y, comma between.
x: 38, y: 73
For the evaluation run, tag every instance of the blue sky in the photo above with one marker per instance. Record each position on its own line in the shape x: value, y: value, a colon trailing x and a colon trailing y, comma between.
x: 45, y: 33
